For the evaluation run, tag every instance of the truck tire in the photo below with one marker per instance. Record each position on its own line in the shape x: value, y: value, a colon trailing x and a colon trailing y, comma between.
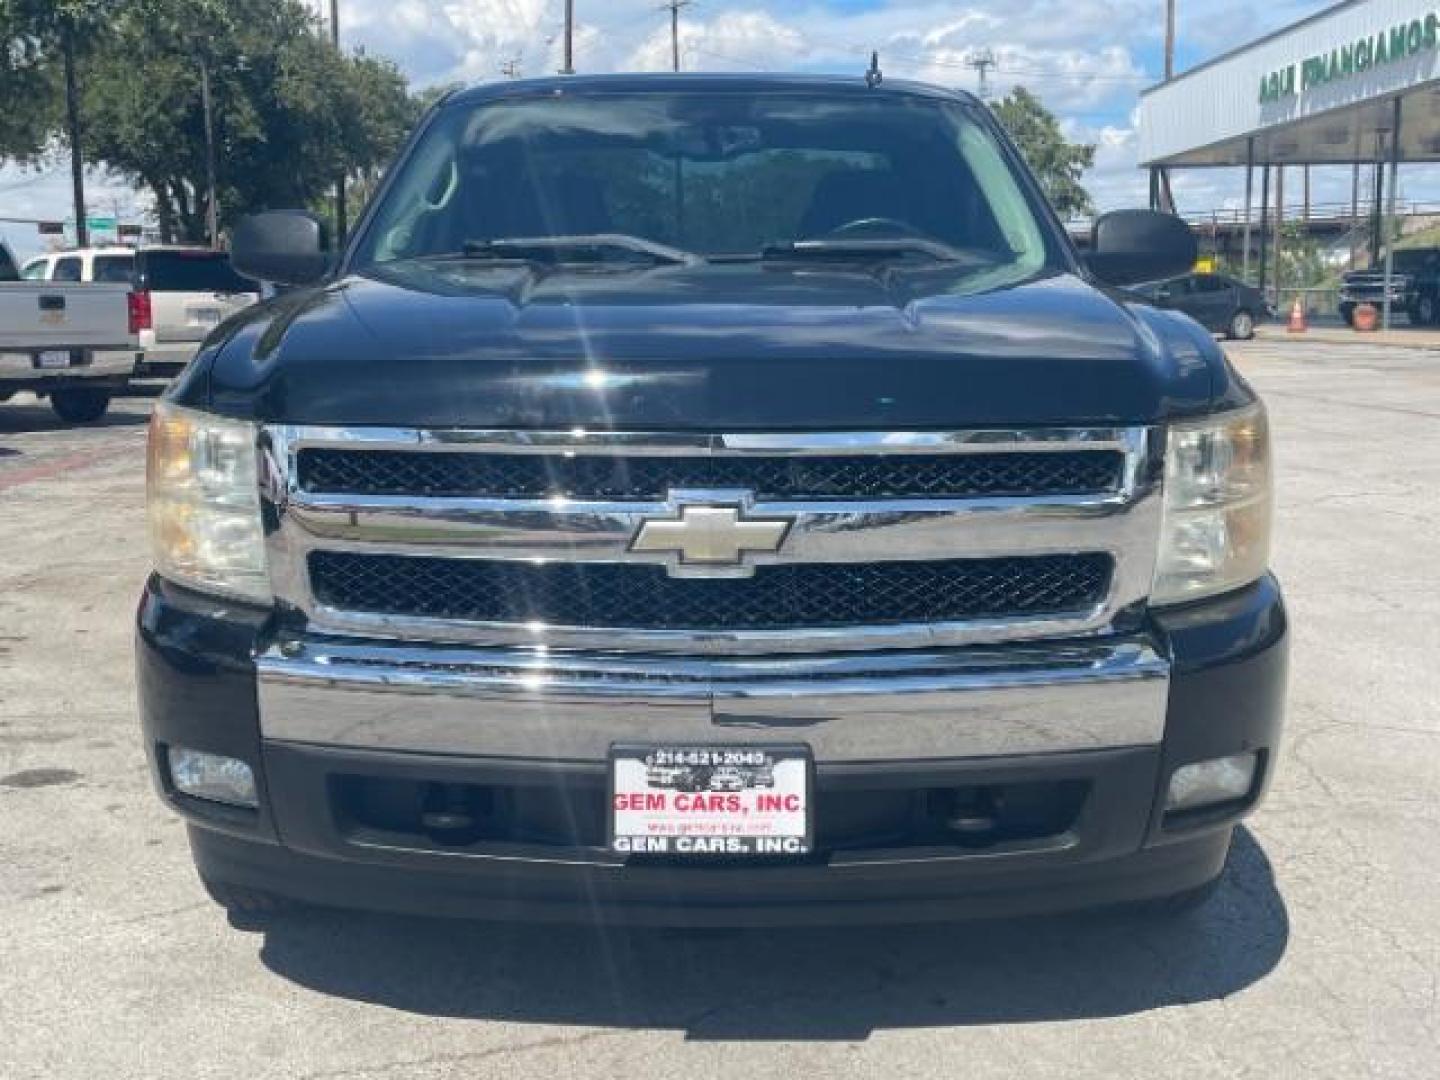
x: 243, y: 903
x: 1242, y: 326
x: 80, y: 405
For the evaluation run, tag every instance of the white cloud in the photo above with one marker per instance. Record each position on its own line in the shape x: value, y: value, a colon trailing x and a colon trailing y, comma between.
x: 746, y: 39
x: 45, y: 194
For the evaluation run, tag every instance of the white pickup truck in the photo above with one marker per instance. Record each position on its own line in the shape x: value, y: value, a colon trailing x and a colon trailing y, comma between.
x: 73, y: 344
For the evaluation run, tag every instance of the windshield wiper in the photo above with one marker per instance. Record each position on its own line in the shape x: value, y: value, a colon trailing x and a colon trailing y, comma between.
x: 879, y: 246
x: 591, y: 244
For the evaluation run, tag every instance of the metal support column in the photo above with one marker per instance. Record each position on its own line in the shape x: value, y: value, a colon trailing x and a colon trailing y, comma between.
x: 1264, y: 224
x: 1355, y: 203
x: 1390, y: 212
x: 1377, y: 208
x: 1249, y: 190
x: 1278, y: 258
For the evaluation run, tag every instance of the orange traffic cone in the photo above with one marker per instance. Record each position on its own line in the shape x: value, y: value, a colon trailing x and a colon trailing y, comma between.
x: 1297, y: 318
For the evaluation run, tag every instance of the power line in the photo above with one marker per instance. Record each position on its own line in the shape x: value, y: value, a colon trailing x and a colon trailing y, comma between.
x: 760, y: 63
x: 999, y: 66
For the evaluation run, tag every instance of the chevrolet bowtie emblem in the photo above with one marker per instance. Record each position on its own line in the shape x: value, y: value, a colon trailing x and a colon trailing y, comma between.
x: 709, y: 537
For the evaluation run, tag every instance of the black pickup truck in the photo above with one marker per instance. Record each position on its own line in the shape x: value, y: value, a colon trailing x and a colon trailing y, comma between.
x: 710, y: 500
x: 1414, y: 287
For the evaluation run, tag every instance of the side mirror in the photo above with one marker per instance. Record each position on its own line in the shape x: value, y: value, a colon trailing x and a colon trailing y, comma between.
x: 1131, y: 246
x: 284, y: 247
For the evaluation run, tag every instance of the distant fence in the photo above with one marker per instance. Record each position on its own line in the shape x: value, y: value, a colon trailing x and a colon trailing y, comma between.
x: 1317, y: 213
x: 1324, y: 301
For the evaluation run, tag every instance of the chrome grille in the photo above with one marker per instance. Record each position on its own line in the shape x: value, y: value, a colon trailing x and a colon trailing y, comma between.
x: 646, y: 479
x: 644, y: 597
x: 894, y: 540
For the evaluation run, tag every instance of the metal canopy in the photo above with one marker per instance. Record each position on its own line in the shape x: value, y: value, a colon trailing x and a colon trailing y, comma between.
x: 1319, y: 92
x: 1356, y: 133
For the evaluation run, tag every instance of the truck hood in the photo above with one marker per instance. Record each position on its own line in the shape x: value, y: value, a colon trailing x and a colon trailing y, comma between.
x: 729, y: 347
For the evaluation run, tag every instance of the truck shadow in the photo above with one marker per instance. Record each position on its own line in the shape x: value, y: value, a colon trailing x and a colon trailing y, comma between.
x: 840, y: 984
x: 26, y: 415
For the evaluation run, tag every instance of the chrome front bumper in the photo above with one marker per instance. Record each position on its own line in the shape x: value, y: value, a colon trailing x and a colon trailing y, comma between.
x: 870, y: 707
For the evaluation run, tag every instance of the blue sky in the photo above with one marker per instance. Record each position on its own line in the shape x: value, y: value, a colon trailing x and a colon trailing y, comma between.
x: 1087, y: 59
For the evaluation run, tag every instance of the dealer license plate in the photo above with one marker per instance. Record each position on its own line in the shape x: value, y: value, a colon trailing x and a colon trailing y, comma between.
x: 53, y: 358
x: 710, y: 801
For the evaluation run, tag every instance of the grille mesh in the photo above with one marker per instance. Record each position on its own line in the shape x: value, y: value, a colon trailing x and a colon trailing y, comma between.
x: 635, y: 596
x: 607, y: 477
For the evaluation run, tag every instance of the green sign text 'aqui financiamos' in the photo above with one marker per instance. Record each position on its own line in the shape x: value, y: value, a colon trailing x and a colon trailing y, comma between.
x: 1388, y: 46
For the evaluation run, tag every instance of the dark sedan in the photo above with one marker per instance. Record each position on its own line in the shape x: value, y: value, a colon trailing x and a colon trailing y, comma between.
x: 1220, y: 304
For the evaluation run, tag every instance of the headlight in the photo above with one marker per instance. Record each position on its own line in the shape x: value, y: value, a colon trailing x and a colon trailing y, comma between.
x: 1216, y: 532
x: 204, y: 503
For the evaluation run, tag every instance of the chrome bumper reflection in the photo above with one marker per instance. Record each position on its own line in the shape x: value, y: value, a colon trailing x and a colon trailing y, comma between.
x: 851, y: 707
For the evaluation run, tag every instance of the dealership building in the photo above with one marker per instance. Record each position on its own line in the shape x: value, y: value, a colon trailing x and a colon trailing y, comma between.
x: 1357, y: 84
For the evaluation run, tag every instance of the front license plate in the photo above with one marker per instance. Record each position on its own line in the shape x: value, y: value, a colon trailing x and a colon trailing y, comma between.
x: 53, y: 358
x: 710, y: 801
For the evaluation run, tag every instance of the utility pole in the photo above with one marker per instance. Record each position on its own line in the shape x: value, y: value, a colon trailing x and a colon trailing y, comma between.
x: 674, y: 7
x: 982, y: 60
x: 342, y: 223
x: 511, y: 68
x: 212, y: 209
x: 569, y: 68
x: 72, y: 121
x: 1161, y: 197
x: 1169, y: 40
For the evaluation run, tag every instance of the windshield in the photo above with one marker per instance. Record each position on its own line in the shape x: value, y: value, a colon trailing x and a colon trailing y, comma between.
x: 714, y: 175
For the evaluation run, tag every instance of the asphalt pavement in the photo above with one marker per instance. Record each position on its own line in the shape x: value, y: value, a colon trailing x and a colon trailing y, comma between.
x: 1320, y: 957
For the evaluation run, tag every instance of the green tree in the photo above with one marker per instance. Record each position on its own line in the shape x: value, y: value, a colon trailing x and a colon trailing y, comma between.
x: 1301, y: 263
x: 45, y: 45
x: 1056, y: 162
x: 30, y: 87
x: 289, y: 112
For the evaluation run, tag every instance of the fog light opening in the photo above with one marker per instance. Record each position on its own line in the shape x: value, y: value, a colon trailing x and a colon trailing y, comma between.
x: 1209, y: 783
x: 212, y: 777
